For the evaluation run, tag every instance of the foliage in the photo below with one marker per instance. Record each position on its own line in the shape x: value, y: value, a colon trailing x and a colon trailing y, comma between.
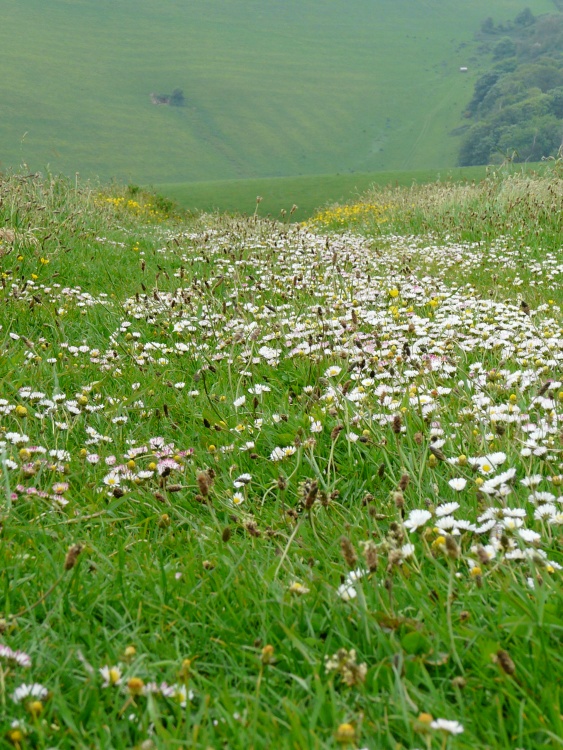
x: 516, y: 104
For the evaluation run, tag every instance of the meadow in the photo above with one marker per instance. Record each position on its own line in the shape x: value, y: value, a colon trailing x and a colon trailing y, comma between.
x: 271, y: 89
x: 279, y: 195
x: 282, y: 485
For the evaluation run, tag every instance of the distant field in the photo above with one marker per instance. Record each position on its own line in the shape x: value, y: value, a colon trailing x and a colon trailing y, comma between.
x: 308, y: 193
x: 272, y: 88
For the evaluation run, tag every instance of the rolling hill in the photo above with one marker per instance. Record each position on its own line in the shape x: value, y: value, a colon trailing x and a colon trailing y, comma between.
x: 271, y: 88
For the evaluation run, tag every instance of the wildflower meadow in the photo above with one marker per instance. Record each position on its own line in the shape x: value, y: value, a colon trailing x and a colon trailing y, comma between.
x: 278, y: 485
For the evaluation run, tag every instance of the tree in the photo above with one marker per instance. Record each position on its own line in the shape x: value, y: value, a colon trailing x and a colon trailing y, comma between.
x: 177, y: 98
x: 488, y: 26
x: 505, y: 47
x: 526, y: 18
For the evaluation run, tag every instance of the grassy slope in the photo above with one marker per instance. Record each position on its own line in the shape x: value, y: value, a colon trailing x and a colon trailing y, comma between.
x: 307, y: 192
x: 273, y: 88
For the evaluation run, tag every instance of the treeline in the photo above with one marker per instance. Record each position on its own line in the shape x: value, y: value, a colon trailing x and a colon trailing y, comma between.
x: 517, y: 106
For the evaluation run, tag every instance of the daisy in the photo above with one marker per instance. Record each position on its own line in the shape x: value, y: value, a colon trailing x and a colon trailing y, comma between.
x: 29, y: 691
x: 17, y: 657
x: 445, y: 725
x: 111, y: 676
x: 237, y: 498
x: 416, y: 519
x: 446, y: 509
x: 458, y: 484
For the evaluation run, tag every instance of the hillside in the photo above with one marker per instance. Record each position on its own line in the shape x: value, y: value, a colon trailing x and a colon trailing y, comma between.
x: 271, y: 89
x: 517, y: 105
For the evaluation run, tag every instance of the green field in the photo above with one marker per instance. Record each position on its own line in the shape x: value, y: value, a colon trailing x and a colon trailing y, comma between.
x: 272, y: 88
x: 308, y: 192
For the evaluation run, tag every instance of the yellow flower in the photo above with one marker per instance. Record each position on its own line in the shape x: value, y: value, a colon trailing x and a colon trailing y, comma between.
x: 298, y: 588
x: 345, y: 734
x: 15, y: 736
x: 422, y: 723
x: 135, y: 686
x: 267, y: 654
x: 35, y: 708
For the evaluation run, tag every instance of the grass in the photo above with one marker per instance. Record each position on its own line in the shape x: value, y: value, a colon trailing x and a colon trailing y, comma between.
x: 308, y: 192
x: 265, y: 486
x: 272, y: 89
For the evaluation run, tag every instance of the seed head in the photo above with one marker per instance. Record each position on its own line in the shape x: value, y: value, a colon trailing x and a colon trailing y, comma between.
x: 370, y: 554
x: 311, y: 495
x: 505, y: 662
x: 438, y: 453
x: 226, y: 535
x: 336, y: 431
x: 404, y: 482
x: 348, y: 552
x: 452, y: 548
x: 395, y: 558
x: 72, y: 556
x: 204, y: 483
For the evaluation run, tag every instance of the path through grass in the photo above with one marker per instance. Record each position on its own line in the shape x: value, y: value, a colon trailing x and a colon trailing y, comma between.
x: 264, y: 486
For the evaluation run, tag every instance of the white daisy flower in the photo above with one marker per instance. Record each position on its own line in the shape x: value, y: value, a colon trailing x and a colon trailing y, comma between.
x: 29, y: 691
x: 444, y: 725
x: 446, y: 509
x: 458, y: 484
x: 416, y: 519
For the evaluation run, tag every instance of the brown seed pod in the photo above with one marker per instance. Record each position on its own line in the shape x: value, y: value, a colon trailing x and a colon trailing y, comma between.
x: 348, y: 552
x: 204, y: 483
x: 72, y: 556
x: 404, y: 482
x: 505, y: 662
